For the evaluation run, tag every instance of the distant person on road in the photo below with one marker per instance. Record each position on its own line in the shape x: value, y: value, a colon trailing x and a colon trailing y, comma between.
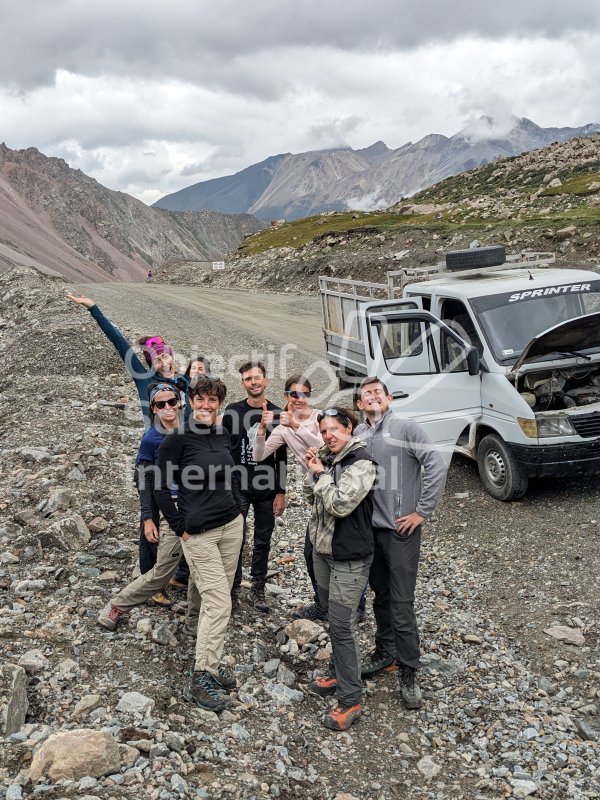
x: 149, y: 275
x: 339, y: 486
x: 164, y: 409
x: 208, y: 520
x: 411, y: 477
x: 262, y: 486
x: 160, y: 365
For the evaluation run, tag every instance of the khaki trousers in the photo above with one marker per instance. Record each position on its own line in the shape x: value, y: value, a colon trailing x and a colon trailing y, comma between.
x: 145, y: 586
x: 212, y: 557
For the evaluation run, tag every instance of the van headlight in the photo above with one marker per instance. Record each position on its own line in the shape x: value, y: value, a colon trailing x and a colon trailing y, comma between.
x: 554, y: 425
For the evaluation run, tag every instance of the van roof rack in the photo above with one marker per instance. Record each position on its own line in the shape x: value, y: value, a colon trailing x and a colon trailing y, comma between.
x: 526, y: 258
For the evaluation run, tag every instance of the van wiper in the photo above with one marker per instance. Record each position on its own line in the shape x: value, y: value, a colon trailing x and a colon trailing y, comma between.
x: 574, y: 353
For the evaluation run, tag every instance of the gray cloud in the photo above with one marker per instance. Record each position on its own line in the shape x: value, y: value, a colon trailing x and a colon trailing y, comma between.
x: 209, y: 43
x: 148, y: 97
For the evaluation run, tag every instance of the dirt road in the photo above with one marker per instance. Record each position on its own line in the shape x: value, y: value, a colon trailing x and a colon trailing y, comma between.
x: 280, y: 317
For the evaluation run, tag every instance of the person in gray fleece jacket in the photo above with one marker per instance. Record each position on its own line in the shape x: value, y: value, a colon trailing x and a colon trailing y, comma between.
x: 411, y: 478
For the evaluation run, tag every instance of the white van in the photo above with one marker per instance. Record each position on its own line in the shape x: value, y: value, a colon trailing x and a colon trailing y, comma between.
x: 500, y: 362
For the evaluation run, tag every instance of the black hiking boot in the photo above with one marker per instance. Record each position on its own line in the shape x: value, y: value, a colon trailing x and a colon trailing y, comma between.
x: 205, y: 692
x: 409, y: 688
x: 257, y: 598
x: 378, y: 661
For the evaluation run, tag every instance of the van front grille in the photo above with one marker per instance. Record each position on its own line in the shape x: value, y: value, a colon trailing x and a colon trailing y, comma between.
x: 587, y: 425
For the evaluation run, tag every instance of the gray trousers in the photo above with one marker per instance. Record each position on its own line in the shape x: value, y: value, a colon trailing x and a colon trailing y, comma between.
x: 341, y: 584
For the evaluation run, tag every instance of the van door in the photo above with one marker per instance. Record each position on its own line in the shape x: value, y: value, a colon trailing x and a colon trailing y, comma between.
x: 425, y: 365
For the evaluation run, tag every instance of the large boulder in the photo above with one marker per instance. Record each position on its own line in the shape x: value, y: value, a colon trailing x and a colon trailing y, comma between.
x: 13, y: 698
x: 70, y: 534
x: 72, y: 755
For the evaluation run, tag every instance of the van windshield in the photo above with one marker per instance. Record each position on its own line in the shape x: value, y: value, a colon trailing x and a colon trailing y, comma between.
x: 511, y: 320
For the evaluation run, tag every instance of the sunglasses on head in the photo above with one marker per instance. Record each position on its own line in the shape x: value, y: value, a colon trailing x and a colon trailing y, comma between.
x: 333, y: 412
x: 154, y: 340
x: 297, y: 395
x: 160, y: 404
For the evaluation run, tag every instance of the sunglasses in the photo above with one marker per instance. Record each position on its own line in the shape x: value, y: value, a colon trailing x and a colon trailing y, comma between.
x: 154, y: 340
x: 160, y: 404
x: 298, y: 395
x: 333, y: 412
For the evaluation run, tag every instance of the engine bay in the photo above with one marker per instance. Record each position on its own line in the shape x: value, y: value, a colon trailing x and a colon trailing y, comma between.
x: 557, y: 389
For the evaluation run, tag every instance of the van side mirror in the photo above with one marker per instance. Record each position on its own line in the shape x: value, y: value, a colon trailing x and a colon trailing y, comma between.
x: 473, y: 361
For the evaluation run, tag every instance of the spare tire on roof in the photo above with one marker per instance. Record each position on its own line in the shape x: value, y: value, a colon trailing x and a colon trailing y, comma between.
x: 477, y: 257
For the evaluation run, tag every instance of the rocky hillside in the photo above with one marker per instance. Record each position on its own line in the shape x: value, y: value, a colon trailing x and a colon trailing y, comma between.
x: 547, y: 199
x: 290, y: 186
x: 64, y: 222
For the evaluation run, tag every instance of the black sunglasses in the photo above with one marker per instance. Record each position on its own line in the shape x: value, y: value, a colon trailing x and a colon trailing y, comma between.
x: 160, y: 404
x: 333, y: 412
x: 297, y: 395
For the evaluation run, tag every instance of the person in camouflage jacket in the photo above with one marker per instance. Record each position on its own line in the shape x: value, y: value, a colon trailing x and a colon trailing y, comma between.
x: 339, y: 485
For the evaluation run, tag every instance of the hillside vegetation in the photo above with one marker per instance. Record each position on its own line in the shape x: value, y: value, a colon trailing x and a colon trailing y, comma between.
x: 547, y: 199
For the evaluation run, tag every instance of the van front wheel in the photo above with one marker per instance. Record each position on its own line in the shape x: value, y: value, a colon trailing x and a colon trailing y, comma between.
x: 498, y: 470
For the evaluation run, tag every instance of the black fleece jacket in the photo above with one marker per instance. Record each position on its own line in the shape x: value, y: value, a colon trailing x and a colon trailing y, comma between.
x: 198, y: 458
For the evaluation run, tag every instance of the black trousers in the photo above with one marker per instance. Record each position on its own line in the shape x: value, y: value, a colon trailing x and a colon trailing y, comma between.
x: 393, y: 578
x: 264, y: 524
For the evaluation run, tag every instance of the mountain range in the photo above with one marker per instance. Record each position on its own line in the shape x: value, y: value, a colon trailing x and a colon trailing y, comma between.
x: 291, y: 186
x: 63, y: 222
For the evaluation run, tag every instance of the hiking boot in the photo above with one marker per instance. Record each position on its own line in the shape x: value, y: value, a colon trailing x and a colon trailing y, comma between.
x: 178, y: 588
x: 109, y: 617
x: 257, y: 598
x: 235, y: 599
x: 225, y: 679
x: 163, y: 600
x: 324, y: 687
x: 190, y: 630
x: 204, y: 691
x: 409, y: 688
x: 378, y: 661
x: 312, y: 611
x: 342, y: 717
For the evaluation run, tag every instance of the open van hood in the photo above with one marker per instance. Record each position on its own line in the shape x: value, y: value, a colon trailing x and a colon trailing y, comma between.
x: 575, y: 334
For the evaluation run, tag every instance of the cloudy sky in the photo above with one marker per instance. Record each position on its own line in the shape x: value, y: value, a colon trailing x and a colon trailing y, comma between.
x: 149, y: 96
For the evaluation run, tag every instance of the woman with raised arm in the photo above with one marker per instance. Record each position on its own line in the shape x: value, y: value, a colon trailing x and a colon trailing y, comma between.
x: 160, y: 365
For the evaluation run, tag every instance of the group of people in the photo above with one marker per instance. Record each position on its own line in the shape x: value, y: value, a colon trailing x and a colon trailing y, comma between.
x: 203, y: 464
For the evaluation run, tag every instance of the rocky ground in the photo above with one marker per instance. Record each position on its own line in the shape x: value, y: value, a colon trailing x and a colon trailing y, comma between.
x: 366, y: 255
x: 511, y: 710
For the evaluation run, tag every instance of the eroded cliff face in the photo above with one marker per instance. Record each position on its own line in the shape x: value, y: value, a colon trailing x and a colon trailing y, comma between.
x: 64, y: 222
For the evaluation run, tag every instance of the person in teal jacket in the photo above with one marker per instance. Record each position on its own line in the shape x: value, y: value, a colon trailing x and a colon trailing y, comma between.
x: 160, y: 365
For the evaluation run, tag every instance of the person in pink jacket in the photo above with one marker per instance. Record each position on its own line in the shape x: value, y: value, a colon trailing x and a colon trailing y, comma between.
x: 298, y: 429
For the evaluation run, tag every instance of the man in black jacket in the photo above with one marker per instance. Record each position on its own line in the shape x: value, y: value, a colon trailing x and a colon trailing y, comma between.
x: 262, y: 485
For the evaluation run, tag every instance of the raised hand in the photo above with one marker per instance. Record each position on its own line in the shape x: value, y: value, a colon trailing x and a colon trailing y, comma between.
x: 265, y: 420
x: 288, y: 419
x: 80, y: 300
x: 312, y: 461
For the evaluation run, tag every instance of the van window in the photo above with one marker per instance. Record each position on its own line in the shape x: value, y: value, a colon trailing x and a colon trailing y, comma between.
x: 456, y: 316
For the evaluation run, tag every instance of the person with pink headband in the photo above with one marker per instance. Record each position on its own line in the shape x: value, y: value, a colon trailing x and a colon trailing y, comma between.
x: 158, y: 355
